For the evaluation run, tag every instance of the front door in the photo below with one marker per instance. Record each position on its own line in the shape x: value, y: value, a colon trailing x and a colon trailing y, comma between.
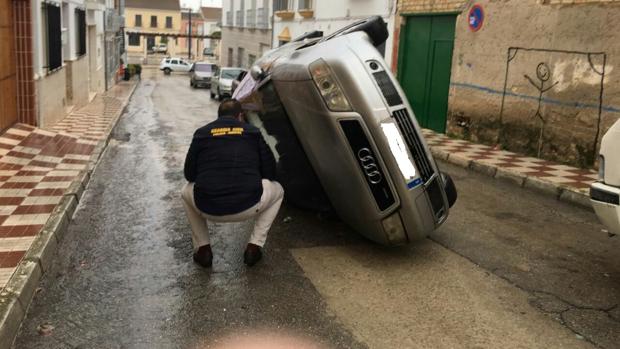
x: 150, y: 42
x: 8, y: 73
x: 425, y: 62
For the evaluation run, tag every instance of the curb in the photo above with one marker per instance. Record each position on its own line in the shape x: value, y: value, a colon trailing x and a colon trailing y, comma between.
x: 22, y: 286
x: 559, y: 192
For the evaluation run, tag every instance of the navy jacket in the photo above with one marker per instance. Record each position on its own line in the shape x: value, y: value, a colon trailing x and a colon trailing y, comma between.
x: 227, y: 161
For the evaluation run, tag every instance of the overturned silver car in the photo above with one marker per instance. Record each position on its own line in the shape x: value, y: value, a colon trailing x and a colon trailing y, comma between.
x: 344, y: 135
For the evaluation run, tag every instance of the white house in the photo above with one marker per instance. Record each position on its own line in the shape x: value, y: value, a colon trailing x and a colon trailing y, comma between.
x: 212, y: 24
x: 68, y: 55
x: 293, y: 18
x: 246, y: 31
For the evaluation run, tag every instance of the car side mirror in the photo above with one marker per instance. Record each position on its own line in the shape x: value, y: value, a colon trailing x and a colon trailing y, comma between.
x: 257, y: 73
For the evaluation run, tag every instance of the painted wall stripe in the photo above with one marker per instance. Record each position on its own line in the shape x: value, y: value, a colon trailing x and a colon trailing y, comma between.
x: 577, y: 105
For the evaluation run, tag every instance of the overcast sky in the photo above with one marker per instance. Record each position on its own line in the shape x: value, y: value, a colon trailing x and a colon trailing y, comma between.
x: 196, y: 3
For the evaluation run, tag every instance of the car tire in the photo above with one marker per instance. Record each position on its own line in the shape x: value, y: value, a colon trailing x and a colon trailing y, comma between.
x: 218, y: 96
x: 191, y: 84
x: 212, y: 95
x: 167, y: 71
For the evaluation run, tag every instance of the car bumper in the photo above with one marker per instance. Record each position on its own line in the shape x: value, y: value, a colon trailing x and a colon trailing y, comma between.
x: 605, y: 200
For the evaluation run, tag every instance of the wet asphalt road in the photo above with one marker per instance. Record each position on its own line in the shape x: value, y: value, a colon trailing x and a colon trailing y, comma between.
x: 123, y: 277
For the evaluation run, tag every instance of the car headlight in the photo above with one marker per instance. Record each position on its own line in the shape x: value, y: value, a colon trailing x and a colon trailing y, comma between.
x: 328, y: 86
x: 601, y: 168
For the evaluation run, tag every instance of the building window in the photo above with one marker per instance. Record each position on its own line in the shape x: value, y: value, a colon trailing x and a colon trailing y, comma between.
x: 169, y: 22
x: 251, y: 60
x: 153, y: 21
x: 230, y: 56
x: 54, y: 37
x: 134, y: 39
x: 282, y: 5
x: 305, y: 4
x: 138, y: 21
x: 240, y: 56
x: 80, y: 19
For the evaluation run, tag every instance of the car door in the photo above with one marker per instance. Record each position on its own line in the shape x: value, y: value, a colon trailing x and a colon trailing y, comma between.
x: 184, y: 66
x: 215, y: 78
x: 174, y: 64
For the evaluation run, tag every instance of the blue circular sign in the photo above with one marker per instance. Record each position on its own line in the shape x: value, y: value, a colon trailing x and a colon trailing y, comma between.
x: 476, y: 17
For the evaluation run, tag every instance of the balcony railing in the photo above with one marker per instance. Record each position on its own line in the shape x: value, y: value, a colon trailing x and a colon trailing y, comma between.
x: 229, y: 18
x: 250, y: 18
x: 239, y: 20
x: 113, y: 22
x: 262, y: 18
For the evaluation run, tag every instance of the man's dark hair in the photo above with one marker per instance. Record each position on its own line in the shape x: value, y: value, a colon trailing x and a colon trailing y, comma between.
x: 229, y: 107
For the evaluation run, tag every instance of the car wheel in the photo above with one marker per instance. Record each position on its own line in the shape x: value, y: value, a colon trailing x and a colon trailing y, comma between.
x: 212, y: 95
x: 218, y: 96
x: 191, y: 83
x: 167, y: 71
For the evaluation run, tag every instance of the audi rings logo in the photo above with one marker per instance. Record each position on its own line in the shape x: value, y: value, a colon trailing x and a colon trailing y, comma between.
x: 369, y: 165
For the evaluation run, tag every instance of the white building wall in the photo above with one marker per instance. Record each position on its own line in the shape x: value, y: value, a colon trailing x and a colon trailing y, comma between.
x: 331, y: 15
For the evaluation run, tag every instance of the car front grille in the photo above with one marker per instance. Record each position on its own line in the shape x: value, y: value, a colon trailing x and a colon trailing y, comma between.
x: 368, y: 163
x: 414, y: 143
x: 387, y: 88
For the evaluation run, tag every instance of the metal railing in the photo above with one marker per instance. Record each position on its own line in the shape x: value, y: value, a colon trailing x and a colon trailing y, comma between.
x: 262, y: 18
x: 282, y: 5
x: 250, y: 18
x: 229, y: 18
x: 305, y: 4
x: 239, y: 21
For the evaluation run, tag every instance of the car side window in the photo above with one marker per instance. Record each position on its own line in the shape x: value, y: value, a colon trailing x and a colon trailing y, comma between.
x: 167, y: 61
x: 174, y: 61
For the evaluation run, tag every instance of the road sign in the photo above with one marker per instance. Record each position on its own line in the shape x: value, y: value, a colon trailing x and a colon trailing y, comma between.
x: 476, y: 17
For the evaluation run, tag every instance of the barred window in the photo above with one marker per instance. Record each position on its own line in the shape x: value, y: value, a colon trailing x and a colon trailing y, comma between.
x: 54, y: 37
x: 168, y: 22
x: 80, y: 18
x: 138, y: 21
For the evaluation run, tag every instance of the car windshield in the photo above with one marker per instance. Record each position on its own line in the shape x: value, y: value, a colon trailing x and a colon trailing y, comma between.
x: 230, y: 73
x: 207, y: 68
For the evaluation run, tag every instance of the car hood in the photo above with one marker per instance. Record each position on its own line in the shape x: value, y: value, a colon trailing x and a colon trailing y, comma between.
x: 226, y: 82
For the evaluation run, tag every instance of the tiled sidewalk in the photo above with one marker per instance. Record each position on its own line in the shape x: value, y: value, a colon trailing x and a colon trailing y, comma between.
x: 38, y: 166
x: 465, y: 153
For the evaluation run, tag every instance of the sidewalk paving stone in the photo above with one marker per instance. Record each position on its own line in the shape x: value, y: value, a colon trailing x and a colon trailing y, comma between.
x: 527, y: 171
x: 38, y: 168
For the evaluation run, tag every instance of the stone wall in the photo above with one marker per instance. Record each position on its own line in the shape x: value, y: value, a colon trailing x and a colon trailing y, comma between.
x: 51, y: 97
x: 538, y: 78
x: 253, y: 41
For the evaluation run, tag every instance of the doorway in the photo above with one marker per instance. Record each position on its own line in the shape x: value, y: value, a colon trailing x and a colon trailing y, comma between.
x: 8, y: 71
x: 425, y: 64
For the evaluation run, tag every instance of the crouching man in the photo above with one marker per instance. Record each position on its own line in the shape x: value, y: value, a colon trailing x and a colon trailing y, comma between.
x: 231, y: 173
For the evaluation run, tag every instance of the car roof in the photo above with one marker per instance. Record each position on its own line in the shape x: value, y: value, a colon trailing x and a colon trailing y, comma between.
x: 232, y: 68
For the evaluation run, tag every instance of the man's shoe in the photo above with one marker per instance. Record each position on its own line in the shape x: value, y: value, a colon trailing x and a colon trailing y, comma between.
x: 204, y: 256
x: 252, y: 255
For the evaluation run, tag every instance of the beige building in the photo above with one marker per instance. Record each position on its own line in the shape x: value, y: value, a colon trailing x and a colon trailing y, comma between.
x: 154, y: 17
x: 246, y: 31
x: 532, y: 76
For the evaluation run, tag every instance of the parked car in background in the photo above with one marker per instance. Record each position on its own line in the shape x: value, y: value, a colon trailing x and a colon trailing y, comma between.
x: 208, y: 52
x: 201, y: 73
x: 345, y: 136
x: 221, y: 82
x: 605, y: 193
x: 160, y: 48
x: 173, y: 64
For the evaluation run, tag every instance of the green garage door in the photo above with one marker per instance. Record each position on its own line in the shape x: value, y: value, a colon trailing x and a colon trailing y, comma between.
x: 425, y: 62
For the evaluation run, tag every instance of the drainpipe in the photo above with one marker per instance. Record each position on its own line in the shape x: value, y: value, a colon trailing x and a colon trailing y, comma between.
x: 105, y: 50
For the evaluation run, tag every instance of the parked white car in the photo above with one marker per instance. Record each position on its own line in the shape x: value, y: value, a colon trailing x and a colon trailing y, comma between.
x: 168, y: 65
x: 222, y: 80
x: 160, y: 48
x: 605, y: 193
